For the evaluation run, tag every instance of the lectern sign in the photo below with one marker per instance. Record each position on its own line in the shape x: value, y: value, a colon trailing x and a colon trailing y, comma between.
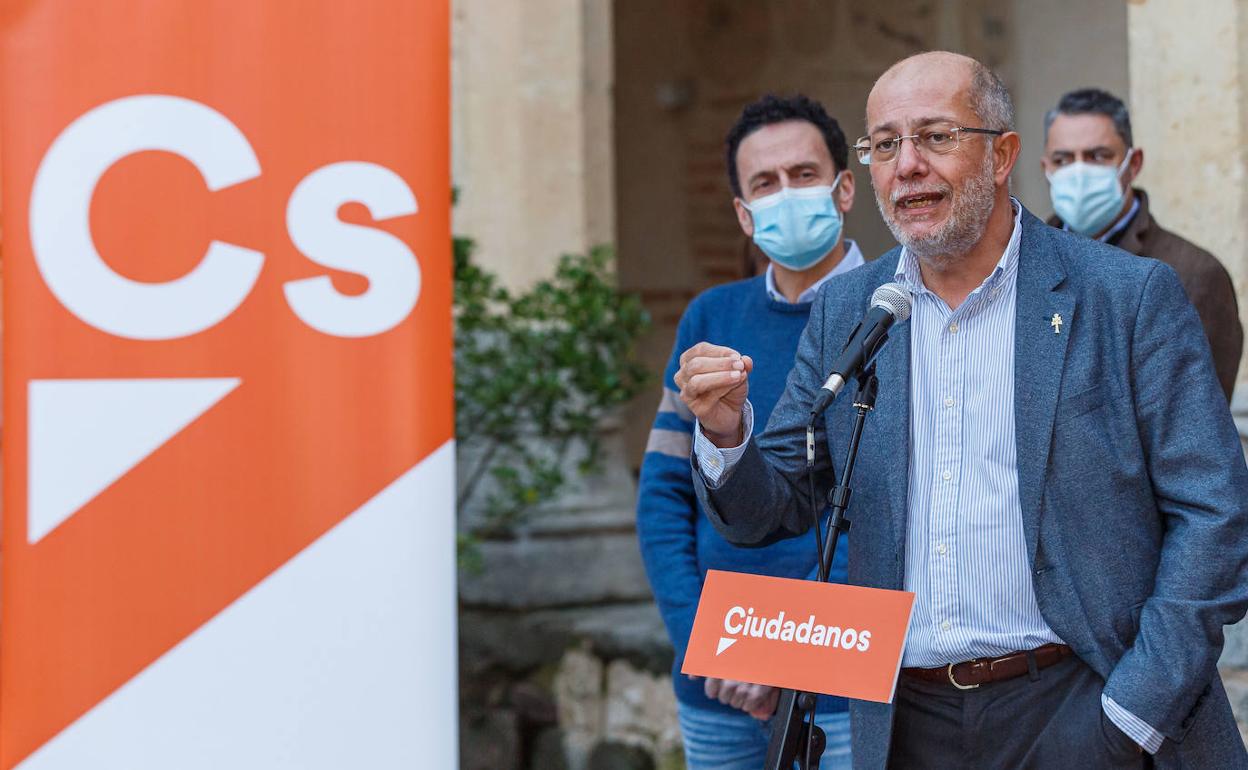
x: 800, y: 634
x: 228, y: 532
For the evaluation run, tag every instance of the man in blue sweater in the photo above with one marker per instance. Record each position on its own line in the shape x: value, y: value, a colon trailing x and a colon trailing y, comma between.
x: 787, y: 163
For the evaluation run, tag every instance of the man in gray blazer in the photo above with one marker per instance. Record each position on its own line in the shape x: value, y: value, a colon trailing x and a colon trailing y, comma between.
x: 1049, y: 467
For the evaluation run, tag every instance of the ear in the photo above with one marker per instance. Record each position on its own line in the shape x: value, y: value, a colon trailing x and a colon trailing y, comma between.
x: 743, y: 217
x: 1134, y: 167
x: 1005, y: 152
x: 844, y: 193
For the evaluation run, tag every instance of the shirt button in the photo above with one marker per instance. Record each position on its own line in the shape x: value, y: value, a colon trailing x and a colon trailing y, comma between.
x: 946, y: 626
x: 948, y: 402
x: 946, y: 475
x: 942, y: 549
x: 953, y: 328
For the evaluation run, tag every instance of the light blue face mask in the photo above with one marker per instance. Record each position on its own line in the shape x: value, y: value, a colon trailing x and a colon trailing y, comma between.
x: 797, y: 226
x: 1086, y: 196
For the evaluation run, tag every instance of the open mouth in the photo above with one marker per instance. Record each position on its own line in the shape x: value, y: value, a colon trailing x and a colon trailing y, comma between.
x: 919, y: 200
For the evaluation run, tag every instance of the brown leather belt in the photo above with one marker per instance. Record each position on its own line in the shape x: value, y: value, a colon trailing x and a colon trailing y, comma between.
x: 972, y: 673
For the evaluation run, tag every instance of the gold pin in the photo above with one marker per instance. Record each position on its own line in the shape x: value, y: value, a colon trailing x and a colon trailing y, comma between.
x: 1056, y: 323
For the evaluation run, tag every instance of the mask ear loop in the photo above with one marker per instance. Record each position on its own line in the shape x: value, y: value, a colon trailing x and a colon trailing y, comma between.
x: 836, y: 182
x: 1122, y: 187
x: 1123, y: 165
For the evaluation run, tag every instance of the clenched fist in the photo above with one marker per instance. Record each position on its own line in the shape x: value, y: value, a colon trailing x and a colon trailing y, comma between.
x: 714, y: 382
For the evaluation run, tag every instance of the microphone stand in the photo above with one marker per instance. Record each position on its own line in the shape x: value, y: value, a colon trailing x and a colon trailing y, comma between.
x: 794, y: 727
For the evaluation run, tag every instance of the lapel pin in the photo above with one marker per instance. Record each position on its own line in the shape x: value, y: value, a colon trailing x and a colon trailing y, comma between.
x: 1056, y: 323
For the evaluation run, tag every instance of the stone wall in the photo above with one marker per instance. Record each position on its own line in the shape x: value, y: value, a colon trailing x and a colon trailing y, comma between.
x: 563, y: 656
x: 531, y: 125
x: 580, y: 688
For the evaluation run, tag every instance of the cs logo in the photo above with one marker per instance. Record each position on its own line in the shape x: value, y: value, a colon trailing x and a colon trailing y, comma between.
x: 74, y: 271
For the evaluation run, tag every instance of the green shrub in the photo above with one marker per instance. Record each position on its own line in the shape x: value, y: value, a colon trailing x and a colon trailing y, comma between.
x: 549, y: 363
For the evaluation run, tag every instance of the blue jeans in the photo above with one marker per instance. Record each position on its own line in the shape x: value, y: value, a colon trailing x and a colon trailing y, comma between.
x: 737, y: 741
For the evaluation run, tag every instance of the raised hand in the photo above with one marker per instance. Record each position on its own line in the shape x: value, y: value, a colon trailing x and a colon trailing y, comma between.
x: 714, y: 383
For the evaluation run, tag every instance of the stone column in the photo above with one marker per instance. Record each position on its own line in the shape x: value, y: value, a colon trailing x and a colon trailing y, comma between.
x: 1189, y: 112
x: 531, y: 131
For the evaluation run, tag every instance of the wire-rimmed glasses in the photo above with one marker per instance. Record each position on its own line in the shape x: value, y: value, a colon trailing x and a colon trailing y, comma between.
x: 936, y: 139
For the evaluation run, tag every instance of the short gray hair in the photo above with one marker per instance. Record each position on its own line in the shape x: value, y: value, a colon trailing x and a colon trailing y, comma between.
x: 1092, y: 101
x: 991, y: 99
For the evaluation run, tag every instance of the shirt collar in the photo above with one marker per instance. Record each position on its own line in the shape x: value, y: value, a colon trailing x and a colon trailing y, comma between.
x: 908, y: 273
x: 853, y: 258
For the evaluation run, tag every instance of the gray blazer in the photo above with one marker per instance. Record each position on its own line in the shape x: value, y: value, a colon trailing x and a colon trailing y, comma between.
x: 1133, y: 486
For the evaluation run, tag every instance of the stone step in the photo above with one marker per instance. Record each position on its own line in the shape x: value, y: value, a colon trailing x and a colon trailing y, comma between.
x: 532, y: 573
x: 522, y: 641
x: 609, y: 520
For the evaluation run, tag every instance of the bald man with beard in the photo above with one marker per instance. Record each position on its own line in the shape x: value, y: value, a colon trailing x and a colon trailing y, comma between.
x: 1072, y: 510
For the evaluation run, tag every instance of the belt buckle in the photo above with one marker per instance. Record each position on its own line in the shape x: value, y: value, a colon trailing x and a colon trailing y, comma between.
x: 953, y: 681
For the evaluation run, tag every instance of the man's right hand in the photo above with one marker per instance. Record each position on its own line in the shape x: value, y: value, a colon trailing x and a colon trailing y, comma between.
x: 714, y: 382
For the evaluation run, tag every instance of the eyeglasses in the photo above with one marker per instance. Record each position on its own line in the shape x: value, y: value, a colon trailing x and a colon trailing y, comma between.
x: 938, y: 139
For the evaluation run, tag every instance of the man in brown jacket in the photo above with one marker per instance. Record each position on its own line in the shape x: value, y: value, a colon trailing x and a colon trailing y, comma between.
x: 1090, y: 161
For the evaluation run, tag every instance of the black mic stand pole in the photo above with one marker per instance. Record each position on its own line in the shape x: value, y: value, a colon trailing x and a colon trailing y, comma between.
x: 794, y: 728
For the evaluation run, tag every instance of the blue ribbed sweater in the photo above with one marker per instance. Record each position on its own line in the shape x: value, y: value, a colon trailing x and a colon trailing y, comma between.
x: 678, y: 543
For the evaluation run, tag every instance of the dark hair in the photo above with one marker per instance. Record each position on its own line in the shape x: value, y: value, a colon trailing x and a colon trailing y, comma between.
x: 1093, y: 101
x: 774, y: 109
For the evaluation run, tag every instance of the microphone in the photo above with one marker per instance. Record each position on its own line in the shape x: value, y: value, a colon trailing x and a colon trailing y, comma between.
x: 890, y: 304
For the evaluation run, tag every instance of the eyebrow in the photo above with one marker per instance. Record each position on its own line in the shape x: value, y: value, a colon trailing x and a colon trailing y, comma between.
x: 800, y: 165
x: 1084, y: 150
x: 890, y: 126
x: 758, y: 175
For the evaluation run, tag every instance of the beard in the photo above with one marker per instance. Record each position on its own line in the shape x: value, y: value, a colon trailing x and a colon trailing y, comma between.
x: 969, y: 207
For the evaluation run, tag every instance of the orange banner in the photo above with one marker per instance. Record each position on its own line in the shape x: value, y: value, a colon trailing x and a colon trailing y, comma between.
x: 800, y: 634
x: 227, y: 335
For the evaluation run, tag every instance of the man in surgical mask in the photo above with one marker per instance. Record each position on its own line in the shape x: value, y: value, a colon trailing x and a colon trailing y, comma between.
x: 1091, y: 163
x: 787, y: 167
x: 791, y: 196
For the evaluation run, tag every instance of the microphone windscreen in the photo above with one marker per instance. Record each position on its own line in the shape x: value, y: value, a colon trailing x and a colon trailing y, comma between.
x: 894, y: 298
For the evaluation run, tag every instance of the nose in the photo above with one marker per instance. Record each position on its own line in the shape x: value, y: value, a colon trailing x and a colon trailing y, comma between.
x: 910, y: 161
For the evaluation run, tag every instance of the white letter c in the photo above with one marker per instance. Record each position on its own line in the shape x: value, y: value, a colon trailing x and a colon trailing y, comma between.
x: 60, y: 226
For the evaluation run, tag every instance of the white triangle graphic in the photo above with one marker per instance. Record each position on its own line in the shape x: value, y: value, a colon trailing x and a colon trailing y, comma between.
x: 86, y: 434
x: 724, y: 643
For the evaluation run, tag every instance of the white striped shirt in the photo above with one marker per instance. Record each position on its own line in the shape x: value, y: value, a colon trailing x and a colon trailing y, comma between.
x: 966, y: 553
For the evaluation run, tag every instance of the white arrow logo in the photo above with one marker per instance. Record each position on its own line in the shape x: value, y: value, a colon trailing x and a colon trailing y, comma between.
x: 724, y: 643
